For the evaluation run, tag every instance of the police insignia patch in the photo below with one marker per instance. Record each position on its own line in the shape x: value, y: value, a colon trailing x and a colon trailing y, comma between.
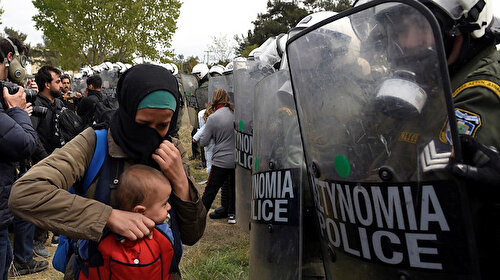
x: 467, y: 122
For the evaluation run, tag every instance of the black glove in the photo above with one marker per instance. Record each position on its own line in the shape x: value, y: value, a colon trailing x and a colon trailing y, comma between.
x: 481, y: 163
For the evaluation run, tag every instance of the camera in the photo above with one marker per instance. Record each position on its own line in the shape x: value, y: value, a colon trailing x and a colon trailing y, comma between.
x: 39, y: 111
x: 13, y: 89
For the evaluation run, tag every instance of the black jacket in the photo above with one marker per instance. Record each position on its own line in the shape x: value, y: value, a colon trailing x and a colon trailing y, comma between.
x: 45, y: 126
x: 17, y: 142
x: 86, y: 107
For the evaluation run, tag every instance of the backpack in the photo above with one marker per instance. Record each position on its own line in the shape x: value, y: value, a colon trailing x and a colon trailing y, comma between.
x: 69, y: 124
x: 87, y: 256
x: 104, y: 110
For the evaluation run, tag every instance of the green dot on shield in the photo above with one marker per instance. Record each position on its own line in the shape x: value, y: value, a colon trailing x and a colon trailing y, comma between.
x: 342, y: 166
x: 242, y: 125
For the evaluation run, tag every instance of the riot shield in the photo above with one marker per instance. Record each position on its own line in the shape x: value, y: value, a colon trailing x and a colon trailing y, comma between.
x: 109, y: 83
x: 201, y: 95
x: 109, y: 78
x: 79, y: 84
x: 224, y: 82
x: 190, y: 84
x: 373, y: 97
x: 281, y: 238
x: 246, y: 75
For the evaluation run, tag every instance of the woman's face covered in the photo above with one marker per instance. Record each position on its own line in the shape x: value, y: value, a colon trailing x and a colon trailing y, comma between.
x: 157, y: 119
x: 140, y: 132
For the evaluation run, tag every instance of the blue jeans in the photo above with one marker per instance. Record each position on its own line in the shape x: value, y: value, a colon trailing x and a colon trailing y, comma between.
x: 23, y: 240
x: 5, y: 254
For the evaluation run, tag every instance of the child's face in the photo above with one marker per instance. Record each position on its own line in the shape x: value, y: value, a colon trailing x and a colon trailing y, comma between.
x: 158, y: 206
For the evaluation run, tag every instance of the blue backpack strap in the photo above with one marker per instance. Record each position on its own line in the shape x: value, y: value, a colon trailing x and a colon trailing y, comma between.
x: 101, y: 149
x: 65, y: 248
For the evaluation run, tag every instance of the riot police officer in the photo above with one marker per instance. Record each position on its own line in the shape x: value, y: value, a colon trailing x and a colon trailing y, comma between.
x: 385, y: 154
x: 470, y: 34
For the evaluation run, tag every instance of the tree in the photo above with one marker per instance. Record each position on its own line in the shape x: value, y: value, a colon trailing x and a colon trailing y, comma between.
x: 279, y: 18
x: 1, y: 12
x: 88, y: 32
x: 186, y: 65
x: 11, y: 32
x: 191, y: 62
x: 328, y: 5
x: 222, y: 49
x: 42, y: 55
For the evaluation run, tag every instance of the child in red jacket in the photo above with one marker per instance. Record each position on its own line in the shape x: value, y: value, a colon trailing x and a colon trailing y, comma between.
x: 145, y: 190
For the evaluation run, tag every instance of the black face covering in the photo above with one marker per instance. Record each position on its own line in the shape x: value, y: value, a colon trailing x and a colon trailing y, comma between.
x: 140, y: 141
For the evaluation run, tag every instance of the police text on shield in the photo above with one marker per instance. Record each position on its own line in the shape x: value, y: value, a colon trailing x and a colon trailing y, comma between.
x: 385, y: 224
x: 243, y: 149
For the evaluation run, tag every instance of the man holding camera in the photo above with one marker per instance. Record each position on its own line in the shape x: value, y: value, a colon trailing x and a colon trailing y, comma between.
x: 17, y: 143
x: 70, y: 98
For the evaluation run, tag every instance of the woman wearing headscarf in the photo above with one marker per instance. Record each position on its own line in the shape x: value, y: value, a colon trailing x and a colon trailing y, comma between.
x: 139, y: 132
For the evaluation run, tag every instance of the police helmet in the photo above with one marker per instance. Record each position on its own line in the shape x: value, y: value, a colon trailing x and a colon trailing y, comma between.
x: 462, y: 16
x: 216, y: 69
x: 228, y: 69
x: 200, y: 70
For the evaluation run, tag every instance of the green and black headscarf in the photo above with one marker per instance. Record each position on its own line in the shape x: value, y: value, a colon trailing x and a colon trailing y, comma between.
x: 140, y: 141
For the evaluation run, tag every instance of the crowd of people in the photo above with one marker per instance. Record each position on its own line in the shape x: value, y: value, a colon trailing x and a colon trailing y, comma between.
x: 93, y: 168
x: 138, y: 132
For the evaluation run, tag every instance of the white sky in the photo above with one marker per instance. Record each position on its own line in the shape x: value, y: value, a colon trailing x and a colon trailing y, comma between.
x: 198, y: 22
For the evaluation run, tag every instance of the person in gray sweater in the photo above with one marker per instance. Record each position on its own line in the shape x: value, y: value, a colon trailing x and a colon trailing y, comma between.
x: 220, y: 127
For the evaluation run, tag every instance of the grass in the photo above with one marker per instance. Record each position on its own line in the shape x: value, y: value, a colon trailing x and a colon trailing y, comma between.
x: 222, y: 252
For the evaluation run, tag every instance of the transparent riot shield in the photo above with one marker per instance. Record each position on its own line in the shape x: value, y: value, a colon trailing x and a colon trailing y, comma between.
x: 201, y: 95
x: 281, y: 238
x: 224, y: 82
x: 190, y: 84
x: 229, y: 82
x: 79, y: 84
x: 109, y: 83
x: 373, y: 98
x: 109, y: 78
x: 246, y: 75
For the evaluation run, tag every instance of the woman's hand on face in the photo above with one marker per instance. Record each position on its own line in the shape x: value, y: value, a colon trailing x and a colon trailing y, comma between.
x: 170, y: 161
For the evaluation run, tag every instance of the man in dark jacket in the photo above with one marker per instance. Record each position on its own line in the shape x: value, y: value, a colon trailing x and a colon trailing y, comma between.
x: 71, y: 99
x: 17, y: 142
x: 44, y: 119
x: 94, y: 95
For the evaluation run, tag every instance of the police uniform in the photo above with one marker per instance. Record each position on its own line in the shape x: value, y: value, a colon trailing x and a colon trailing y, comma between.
x: 476, y: 97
